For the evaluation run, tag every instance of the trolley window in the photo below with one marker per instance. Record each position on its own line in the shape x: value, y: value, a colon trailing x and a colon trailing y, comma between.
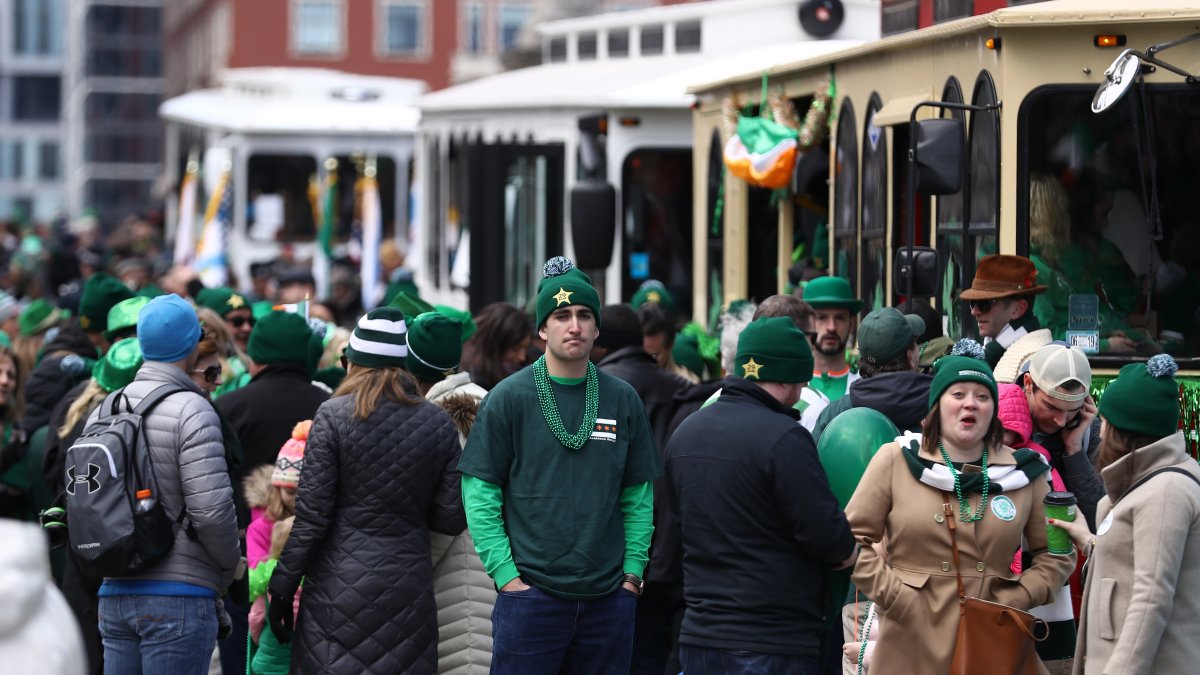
x: 874, y: 209
x: 950, y: 238
x: 845, y: 179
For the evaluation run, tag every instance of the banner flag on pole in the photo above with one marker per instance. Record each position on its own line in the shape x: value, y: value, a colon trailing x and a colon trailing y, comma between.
x: 211, y: 262
x: 185, y: 229
x: 372, y: 236
x: 326, y: 217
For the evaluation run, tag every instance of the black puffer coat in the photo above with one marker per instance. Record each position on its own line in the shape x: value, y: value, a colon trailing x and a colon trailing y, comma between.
x: 370, y: 492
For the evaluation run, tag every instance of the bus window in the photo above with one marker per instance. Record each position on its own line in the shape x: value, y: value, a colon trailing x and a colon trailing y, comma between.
x: 716, y: 227
x: 985, y: 169
x: 874, y: 209
x: 277, y: 202
x: 1090, y: 223
x: 657, y: 223
x: 950, y: 240
x: 762, y: 250
x: 845, y: 177
x: 350, y: 192
x: 525, y: 221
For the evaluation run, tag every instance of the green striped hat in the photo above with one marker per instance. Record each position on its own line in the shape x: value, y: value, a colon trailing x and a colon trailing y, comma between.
x: 379, y: 340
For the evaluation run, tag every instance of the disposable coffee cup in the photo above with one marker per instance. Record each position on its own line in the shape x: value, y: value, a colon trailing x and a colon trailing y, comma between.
x: 1059, y: 506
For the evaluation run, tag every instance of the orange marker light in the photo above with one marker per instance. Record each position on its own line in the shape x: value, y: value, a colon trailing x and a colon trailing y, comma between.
x: 630, y: 121
x: 1109, y: 41
x: 992, y: 43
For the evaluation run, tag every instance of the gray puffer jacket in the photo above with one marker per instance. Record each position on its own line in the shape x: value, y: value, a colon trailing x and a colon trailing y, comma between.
x: 184, y: 437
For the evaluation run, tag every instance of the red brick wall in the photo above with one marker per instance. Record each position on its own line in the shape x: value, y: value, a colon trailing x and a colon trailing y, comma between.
x: 261, y: 32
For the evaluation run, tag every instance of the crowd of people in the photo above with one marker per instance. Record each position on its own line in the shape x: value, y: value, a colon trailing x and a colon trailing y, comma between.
x: 582, y: 487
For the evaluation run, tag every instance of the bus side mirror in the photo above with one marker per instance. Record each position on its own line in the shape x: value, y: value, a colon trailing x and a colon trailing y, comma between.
x: 593, y: 223
x: 921, y: 265
x: 939, y: 156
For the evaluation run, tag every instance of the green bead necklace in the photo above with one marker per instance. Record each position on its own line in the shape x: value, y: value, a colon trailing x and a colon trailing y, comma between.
x: 541, y: 382
x: 964, y: 505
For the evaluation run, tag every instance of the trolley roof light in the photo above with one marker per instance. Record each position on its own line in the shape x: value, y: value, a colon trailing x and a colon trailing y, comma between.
x: 1126, y: 69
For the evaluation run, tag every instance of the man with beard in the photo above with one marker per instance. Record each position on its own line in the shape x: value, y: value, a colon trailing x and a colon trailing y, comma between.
x: 558, y: 487
x: 835, y: 307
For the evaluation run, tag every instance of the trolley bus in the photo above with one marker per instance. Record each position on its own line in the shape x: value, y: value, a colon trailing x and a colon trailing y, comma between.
x: 1114, y: 206
x: 590, y: 152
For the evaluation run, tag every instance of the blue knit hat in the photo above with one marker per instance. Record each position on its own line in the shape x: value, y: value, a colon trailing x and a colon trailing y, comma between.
x: 167, y: 329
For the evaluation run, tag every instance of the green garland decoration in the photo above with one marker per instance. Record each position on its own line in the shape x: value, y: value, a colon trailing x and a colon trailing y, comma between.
x: 1189, y: 407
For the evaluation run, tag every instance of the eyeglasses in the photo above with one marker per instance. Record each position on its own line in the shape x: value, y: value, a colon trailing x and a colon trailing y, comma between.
x: 981, y: 305
x: 239, y: 321
x: 812, y: 335
x: 211, y: 373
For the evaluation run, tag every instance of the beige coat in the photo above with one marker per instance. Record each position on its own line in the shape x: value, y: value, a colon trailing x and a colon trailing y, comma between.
x: 1141, y: 607
x: 915, y: 586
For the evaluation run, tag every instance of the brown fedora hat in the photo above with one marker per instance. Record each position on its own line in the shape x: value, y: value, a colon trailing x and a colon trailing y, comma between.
x: 1003, y: 276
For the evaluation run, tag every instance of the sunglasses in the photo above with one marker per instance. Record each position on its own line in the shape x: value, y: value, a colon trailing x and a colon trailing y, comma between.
x: 211, y: 373
x: 981, y: 305
x: 812, y: 335
x: 239, y: 321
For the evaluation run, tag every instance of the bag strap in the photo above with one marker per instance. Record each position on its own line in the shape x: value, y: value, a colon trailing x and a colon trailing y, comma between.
x: 1152, y: 474
x: 155, y: 397
x: 949, y: 513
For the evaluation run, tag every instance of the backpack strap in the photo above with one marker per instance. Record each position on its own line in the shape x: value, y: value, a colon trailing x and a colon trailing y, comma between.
x: 155, y: 397
x: 1152, y: 474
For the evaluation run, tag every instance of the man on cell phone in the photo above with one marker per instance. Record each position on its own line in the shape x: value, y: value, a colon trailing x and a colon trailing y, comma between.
x: 1057, y: 387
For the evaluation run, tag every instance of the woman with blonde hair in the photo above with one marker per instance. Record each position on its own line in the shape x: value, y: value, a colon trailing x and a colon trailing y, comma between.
x: 380, y: 473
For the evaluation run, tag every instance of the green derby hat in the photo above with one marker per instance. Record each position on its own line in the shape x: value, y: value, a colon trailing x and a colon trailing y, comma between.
x: 119, y: 365
x: 434, y: 346
x: 221, y: 300
x: 124, y: 315
x: 38, y: 316
x: 100, y: 293
x: 831, y: 293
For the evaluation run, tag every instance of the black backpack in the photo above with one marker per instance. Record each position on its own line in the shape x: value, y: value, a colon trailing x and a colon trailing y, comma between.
x: 116, y: 522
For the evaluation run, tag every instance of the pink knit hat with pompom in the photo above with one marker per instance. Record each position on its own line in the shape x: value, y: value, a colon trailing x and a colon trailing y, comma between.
x: 291, y: 457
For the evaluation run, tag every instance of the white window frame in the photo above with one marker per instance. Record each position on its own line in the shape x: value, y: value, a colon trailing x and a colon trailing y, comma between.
x: 294, y: 48
x: 424, y: 33
x: 499, y: 22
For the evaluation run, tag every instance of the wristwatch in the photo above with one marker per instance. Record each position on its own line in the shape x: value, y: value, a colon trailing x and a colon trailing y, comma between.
x: 636, y: 581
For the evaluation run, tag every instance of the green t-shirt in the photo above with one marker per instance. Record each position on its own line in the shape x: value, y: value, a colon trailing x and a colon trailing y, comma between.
x: 562, y: 507
x: 832, y: 385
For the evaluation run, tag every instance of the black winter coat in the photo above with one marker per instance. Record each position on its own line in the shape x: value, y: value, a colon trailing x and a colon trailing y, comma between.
x: 50, y: 381
x: 370, y: 492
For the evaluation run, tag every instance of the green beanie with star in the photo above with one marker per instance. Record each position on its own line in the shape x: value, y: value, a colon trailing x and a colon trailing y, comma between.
x: 280, y: 337
x: 100, y: 293
x: 221, y: 300
x: 1144, y: 399
x: 654, y: 292
x: 434, y: 346
x: 772, y: 349
x: 563, y: 285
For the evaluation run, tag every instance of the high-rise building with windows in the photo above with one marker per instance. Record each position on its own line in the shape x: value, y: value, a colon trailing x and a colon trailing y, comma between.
x: 31, y: 108
x: 113, y: 83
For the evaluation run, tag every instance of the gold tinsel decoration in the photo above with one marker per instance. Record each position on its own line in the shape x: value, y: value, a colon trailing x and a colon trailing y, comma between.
x: 815, y: 128
x: 782, y: 109
x: 729, y: 116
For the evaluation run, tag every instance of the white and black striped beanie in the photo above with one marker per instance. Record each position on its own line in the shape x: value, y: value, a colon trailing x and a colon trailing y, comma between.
x: 378, y: 340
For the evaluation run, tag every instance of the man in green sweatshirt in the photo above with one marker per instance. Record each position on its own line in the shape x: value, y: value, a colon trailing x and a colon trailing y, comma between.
x: 558, y: 486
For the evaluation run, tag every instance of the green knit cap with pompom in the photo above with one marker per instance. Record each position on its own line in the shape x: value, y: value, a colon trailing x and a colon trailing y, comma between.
x: 564, y: 285
x: 1144, y: 399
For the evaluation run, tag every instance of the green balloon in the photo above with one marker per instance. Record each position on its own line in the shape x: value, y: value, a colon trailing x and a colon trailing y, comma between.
x: 847, y: 446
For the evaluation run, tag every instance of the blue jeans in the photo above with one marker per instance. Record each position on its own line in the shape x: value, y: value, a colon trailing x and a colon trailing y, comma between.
x: 705, y: 661
x: 534, y: 633
x: 157, y: 634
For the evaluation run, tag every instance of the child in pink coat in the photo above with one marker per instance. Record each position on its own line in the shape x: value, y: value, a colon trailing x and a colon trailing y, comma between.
x: 271, y: 494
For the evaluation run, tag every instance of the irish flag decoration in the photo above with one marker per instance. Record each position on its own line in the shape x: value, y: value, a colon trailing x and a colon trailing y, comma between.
x: 762, y: 153
x: 300, y: 308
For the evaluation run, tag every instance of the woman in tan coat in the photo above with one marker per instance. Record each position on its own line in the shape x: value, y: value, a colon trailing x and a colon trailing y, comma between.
x: 901, y: 499
x: 1141, y: 605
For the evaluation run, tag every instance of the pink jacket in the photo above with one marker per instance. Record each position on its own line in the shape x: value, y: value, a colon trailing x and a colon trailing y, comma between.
x: 258, y: 537
x: 1013, y: 410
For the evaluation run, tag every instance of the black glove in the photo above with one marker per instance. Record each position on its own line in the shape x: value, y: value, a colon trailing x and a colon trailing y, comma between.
x: 279, y: 613
x: 224, y: 625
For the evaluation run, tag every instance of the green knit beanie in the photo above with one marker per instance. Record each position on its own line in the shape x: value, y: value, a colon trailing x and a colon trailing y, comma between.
x: 686, y: 353
x: 38, y: 316
x: 434, y: 346
x: 100, y: 293
x: 119, y: 365
x: 1144, y: 399
x: 378, y: 341
x: 124, y: 315
x: 965, y: 363
x: 772, y: 349
x: 654, y: 292
x: 563, y: 285
x: 460, y: 315
x: 280, y: 337
x: 221, y: 300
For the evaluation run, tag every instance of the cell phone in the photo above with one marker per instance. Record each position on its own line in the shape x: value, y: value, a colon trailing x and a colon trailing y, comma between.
x: 1074, y: 424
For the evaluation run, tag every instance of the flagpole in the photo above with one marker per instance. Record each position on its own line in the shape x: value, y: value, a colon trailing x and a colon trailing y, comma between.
x: 185, y: 226
x: 372, y: 233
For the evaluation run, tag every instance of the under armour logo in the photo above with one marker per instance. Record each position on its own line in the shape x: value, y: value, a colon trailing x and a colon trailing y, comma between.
x: 90, y: 478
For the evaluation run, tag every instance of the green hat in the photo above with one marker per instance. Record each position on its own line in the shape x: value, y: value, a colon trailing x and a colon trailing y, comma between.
x: 5, y: 341
x: 1144, y: 399
x: 150, y: 291
x: 964, y: 364
x: 221, y: 300
x: 652, y: 291
x: 460, y: 315
x: 887, y: 334
x: 262, y: 308
x: 118, y: 365
x: 434, y: 346
x: 410, y: 304
x: 124, y: 315
x: 831, y: 292
x: 378, y: 341
x: 772, y: 349
x: 279, y: 337
x: 38, y: 316
x: 563, y: 285
x: 100, y: 293
x: 686, y: 353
